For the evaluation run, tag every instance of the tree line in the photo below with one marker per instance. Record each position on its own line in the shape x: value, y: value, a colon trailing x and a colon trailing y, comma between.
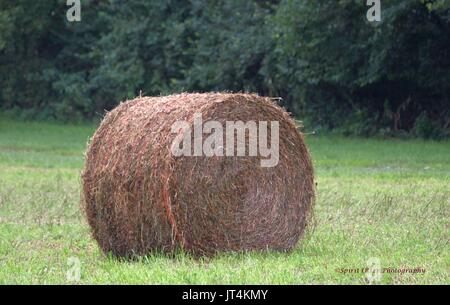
x: 332, y: 67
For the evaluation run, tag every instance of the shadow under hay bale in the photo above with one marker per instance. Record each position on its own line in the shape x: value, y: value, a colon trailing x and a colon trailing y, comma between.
x: 138, y: 197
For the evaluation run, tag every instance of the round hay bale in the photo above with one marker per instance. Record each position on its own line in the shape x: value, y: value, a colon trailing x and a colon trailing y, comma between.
x: 139, y: 197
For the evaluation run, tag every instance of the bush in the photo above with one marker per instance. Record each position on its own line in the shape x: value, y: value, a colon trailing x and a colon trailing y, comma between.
x: 331, y: 67
x: 425, y: 127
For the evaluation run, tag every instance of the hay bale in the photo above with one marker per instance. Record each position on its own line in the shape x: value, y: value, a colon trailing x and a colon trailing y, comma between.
x: 138, y: 197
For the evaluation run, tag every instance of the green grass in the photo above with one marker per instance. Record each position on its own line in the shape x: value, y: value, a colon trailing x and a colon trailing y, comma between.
x: 388, y: 200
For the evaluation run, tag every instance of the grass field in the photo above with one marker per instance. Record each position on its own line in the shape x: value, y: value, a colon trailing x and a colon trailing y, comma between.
x: 382, y: 199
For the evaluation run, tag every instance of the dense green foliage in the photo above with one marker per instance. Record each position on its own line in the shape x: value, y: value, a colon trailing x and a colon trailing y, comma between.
x: 332, y: 67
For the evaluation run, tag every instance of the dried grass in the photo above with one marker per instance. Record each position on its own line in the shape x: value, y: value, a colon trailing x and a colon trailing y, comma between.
x: 139, y: 198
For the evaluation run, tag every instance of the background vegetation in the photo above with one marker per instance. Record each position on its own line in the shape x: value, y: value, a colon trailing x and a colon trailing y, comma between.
x: 333, y: 68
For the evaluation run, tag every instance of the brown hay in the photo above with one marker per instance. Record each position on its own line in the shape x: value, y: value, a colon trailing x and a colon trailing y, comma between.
x: 139, y: 198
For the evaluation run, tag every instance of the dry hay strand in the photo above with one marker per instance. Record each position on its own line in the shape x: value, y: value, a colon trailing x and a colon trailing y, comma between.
x: 138, y: 197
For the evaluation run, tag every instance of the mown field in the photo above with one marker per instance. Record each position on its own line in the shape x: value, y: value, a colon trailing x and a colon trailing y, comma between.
x: 385, y: 200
